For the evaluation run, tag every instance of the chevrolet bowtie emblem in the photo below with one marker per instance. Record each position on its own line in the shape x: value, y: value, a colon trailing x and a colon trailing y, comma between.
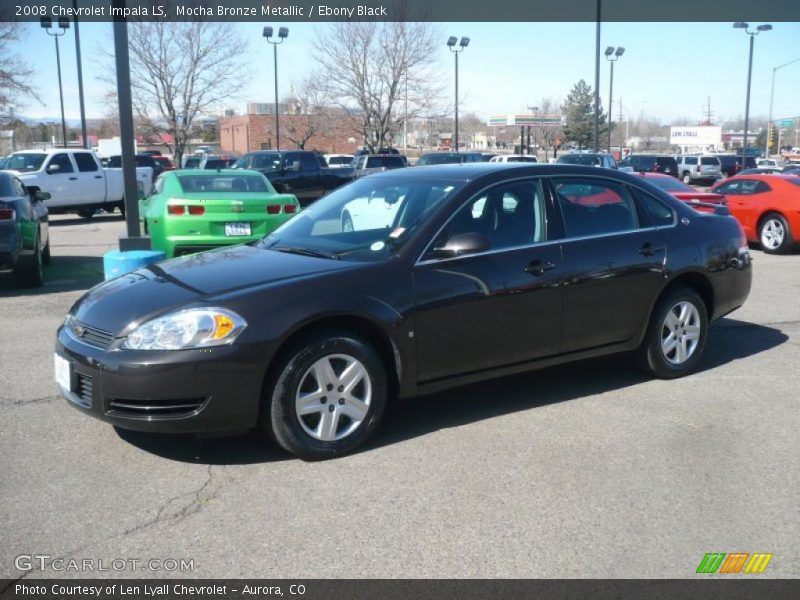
x: 237, y: 207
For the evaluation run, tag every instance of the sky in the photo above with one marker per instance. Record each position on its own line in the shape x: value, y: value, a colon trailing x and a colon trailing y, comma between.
x: 668, y: 70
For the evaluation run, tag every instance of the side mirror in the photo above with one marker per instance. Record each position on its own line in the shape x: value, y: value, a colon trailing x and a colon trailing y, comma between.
x: 51, y: 168
x: 461, y: 244
x: 40, y: 196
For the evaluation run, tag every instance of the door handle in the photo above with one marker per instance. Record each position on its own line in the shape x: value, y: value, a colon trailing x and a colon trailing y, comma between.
x: 538, y: 267
x: 73, y: 178
x: 648, y: 249
x: 98, y: 176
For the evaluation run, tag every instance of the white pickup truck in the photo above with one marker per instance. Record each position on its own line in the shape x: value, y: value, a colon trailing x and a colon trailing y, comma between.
x: 75, y: 180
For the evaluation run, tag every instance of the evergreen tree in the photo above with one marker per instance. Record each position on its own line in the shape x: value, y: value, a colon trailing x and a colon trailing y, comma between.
x: 579, y: 111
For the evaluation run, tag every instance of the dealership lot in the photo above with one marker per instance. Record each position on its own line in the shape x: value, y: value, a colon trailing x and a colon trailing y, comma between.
x: 587, y: 470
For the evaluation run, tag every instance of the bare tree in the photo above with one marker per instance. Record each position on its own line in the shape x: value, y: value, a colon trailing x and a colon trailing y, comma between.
x: 14, y: 72
x: 367, y: 68
x: 550, y: 135
x: 179, y: 71
x: 314, y: 109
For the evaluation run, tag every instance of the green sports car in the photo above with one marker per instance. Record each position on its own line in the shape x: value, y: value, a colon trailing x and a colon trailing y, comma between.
x: 192, y: 210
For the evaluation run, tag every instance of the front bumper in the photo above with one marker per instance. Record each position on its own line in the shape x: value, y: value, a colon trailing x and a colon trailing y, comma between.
x: 186, y: 391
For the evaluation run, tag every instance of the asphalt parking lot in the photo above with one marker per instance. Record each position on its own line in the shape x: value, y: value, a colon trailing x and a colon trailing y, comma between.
x: 586, y: 470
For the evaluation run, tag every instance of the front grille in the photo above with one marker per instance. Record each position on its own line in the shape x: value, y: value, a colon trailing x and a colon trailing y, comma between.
x: 84, y: 389
x: 90, y: 335
x: 129, y: 407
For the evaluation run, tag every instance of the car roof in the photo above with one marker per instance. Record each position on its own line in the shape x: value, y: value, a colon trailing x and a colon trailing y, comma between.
x: 477, y: 170
x: 231, y: 172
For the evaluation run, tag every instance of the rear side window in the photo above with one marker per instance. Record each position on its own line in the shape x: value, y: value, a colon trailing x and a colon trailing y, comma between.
x: 709, y: 160
x: 659, y: 213
x: 85, y: 161
x: 595, y: 206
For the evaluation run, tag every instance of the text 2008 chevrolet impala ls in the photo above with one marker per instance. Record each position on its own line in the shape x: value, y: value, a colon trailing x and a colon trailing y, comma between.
x: 398, y: 284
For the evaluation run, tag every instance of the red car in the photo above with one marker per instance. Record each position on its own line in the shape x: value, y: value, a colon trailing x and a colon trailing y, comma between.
x: 165, y: 163
x: 767, y: 206
x: 684, y: 192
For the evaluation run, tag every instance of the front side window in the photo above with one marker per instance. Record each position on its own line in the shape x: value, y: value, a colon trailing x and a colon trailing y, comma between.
x: 508, y: 215
x: 594, y: 207
x: 739, y: 187
x: 63, y: 162
x: 308, y: 162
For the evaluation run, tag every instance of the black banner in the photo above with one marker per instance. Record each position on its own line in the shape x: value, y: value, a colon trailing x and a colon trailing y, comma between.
x: 406, y: 10
x: 397, y: 589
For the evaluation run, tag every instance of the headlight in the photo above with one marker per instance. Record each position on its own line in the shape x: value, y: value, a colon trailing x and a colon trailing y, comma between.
x: 192, y: 328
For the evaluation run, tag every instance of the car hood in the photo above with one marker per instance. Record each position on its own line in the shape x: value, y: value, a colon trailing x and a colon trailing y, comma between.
x: 169, y: 285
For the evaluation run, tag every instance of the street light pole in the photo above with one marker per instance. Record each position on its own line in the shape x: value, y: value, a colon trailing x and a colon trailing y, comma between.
x: 612, y: 55
x: 752, y: 34
x: 451, y: 43
x: 597, y: 79
x: 80, y: 76
x: 283, y: 33
x: 63, y: 25
x: 772, y: 97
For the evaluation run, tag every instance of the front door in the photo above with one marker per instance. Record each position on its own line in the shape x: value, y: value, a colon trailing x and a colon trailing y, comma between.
x: 499, y: 306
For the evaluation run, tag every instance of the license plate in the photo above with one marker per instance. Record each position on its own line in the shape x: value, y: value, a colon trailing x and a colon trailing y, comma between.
x: 234, y: 229
x: 63, y: 375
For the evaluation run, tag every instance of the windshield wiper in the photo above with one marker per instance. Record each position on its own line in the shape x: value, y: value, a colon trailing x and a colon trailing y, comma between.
x: 303, y: 251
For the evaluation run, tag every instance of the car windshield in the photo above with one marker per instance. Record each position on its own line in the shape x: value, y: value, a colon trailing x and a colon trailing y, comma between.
x: 218, y: 163
x: 389, y: 162
x: 25, y: 162
x: 438, y: 159
x: 590, y: 160
x: 670, y: 184
x: 367, y: 220
x: 208, y: 184
x: 192, y: 162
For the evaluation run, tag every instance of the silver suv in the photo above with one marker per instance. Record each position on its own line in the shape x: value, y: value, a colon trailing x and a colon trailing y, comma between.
x: 698, y: 168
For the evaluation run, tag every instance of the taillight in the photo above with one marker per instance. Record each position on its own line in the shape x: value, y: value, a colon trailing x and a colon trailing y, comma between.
x: 176, y: 209
x: 290, y: 208
x: 6, y: 214
x: 197, y: 210
x: 273, y: 209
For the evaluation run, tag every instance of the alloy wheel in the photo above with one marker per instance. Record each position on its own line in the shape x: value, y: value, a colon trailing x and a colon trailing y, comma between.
x: 772, y: 234
x: 333, y: 398
x: 680, y: 332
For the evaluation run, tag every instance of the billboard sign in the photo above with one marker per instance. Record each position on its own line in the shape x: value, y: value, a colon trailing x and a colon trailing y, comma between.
x: 695, y: 136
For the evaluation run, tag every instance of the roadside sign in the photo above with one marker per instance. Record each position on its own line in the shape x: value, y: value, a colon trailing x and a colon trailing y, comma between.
x: 786, y: 123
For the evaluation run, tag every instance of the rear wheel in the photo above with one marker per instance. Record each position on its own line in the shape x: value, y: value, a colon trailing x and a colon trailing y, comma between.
x: 328, y: 397
x: 775, y: 235
x: 29, y: 269
x: 687, y: 179
x: 676, y: 336
x: 86, y: 213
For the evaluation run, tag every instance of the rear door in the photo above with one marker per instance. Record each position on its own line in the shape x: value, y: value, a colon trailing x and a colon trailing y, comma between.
x: 92, y: 181
x: 613, y: 261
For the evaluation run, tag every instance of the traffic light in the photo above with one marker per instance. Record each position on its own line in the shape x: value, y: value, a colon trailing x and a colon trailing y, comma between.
x: 770, y: 136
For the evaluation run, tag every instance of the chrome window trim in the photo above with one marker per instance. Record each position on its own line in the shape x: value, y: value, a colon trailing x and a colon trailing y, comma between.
x: 420, y: 262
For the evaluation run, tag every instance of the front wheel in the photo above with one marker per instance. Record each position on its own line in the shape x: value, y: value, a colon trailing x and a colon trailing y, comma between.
x: 676, y: 336
x: 775, y: 235
x: 328, y: 397
x: 687, y: 179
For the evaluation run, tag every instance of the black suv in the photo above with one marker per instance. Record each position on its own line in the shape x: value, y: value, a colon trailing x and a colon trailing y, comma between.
x: 731, y: 164
x: 651, y: 163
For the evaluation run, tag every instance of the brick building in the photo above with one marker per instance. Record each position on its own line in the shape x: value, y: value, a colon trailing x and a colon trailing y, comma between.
x: 245, y: 133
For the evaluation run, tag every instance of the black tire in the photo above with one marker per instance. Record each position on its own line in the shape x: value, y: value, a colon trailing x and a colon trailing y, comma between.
x: 650, y: 355
x: 86, y: 213
x: 121, y: 207
x: 29, y: 269
x: 46, y: 253
x: 687, y: 179
x: 769, y: 244
x: 280, y: 417
x: 347, y: 222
